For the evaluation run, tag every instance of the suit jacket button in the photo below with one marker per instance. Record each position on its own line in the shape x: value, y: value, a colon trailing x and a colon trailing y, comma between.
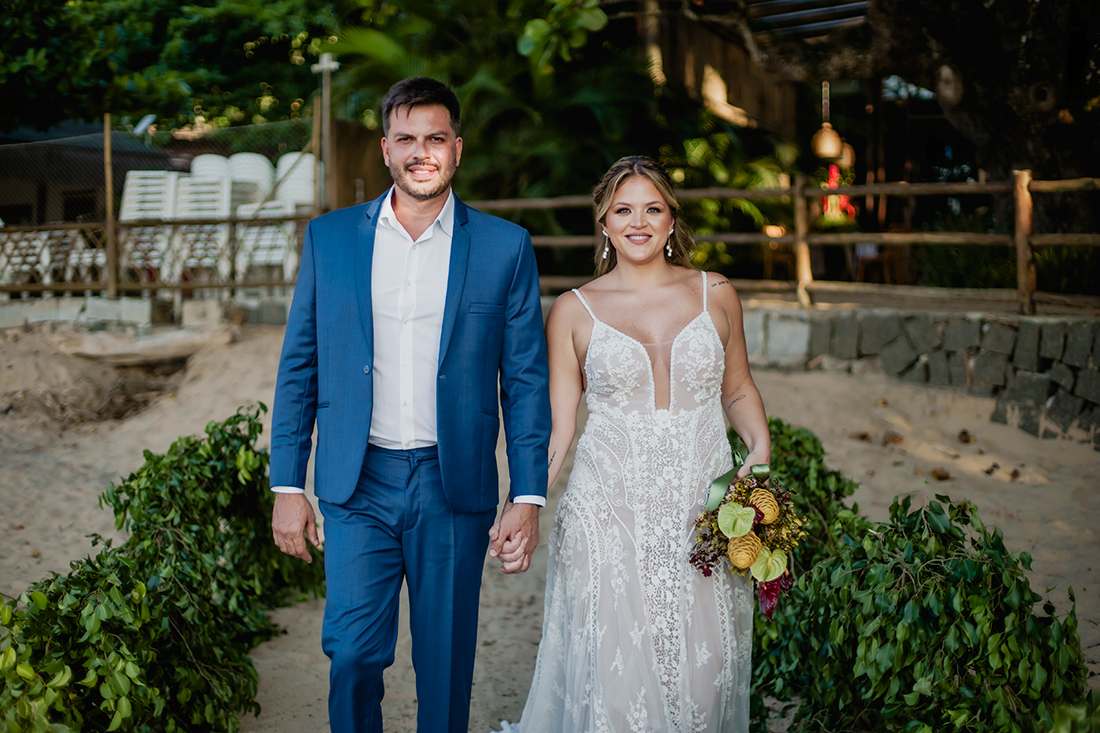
x: 442, y: 376
x: 366, y: 369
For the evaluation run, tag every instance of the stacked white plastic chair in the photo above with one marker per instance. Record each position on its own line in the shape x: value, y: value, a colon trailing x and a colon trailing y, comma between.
x: 201, y: 250
x: 295, y: 180
x: 23, y: 259
x: 252, y: 175
x: 147, y: 195
x: 267, y: 248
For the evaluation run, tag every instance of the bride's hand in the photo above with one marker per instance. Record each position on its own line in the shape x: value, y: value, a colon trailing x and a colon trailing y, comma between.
x: 752, y: 459
x: 513, y: 553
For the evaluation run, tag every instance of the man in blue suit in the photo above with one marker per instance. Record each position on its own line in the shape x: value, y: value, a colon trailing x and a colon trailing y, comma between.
x: 408, y: 313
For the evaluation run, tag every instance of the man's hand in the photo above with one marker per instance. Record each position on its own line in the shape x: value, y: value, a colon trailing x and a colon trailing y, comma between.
x: 292, y: 523
x: 515, y: 537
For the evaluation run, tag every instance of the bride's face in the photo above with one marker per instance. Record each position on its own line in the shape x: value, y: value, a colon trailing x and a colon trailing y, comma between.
x: 639, y: 221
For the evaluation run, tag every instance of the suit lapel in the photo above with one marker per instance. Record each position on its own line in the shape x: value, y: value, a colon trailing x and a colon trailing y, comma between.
x: 456, y: 275
x: 364, y: 263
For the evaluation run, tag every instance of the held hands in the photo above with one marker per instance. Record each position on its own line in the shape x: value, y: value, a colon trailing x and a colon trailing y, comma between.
x: 515, y: 536
x: 292, y: 523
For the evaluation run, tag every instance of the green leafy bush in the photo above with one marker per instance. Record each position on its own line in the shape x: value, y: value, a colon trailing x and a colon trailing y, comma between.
x: 927, y: 623
x: 154, y: 635
x: 818, y: 494
x: 1081, y: 718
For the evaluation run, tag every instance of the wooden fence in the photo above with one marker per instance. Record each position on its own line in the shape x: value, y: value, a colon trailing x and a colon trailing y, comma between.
x: 805, y: 287
x: 115, y: 258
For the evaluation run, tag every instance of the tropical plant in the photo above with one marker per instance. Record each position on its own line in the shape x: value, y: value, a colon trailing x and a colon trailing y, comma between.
x: 239, y: 60
x: 154, y: 634
x: 934, y: 578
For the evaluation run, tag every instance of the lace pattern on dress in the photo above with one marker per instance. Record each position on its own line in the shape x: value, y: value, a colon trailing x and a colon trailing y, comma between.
x: 634, y: 638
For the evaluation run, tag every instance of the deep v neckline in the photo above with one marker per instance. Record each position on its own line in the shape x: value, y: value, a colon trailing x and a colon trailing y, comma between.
x: 645, y: 352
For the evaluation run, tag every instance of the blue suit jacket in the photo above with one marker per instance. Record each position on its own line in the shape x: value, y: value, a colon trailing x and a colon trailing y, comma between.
x: 492, y: 327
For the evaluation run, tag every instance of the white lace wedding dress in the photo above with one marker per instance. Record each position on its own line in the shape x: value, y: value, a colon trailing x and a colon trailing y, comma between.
x: 634, y: 637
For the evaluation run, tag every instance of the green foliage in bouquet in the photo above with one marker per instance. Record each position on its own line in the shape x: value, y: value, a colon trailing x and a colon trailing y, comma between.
x: 927, y: 623
x: 154, y: 635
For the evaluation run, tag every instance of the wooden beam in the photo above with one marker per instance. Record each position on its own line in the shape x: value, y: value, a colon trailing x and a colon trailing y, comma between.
x: 1025, y: 258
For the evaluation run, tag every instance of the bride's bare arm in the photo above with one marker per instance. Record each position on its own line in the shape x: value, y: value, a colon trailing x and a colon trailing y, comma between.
x: 741, y: 401
x: 566, y: 317
x: 566, y: 384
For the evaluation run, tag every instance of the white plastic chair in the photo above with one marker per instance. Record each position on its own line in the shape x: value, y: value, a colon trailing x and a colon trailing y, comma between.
x: 210, y: 165
x: 267, y: 246
x: 201, y: 249
x: 253, y: 176
x: 294, y: 178
x: 147, y: 195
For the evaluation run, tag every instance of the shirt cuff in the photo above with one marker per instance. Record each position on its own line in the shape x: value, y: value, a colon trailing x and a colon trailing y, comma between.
x: 533, y: 499
x: 287, y: 490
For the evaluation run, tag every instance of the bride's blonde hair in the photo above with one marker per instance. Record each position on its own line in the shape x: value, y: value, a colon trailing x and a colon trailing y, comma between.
x: 681, y: 239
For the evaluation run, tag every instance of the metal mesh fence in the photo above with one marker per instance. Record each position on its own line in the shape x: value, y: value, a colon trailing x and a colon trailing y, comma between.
x: 196, y: 208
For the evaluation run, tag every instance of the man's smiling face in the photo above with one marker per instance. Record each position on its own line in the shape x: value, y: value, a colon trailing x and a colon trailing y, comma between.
x: 421, y: 150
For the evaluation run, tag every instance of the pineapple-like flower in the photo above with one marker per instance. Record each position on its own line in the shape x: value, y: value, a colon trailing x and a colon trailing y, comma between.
x: 765, y: 501
x: 743, y: 550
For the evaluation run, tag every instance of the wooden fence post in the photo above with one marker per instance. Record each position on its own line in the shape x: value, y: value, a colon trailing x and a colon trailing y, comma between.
x: 1025, y: 256
x: 801, y: 248
x: 109, y: 197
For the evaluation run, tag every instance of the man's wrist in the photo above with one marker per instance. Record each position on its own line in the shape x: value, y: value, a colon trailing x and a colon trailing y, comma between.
x: 539, y: 501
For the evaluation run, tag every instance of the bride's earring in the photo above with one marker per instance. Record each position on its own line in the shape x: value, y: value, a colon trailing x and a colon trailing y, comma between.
x: 668, y: 243
x: 606, y: 246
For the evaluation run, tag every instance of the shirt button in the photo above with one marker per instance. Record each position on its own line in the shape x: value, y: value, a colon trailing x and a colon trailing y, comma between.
x: 405, y: 321
x: 366, y: 369
x: 408, y: 443
x: 408, y: 283
x: 406, y: 362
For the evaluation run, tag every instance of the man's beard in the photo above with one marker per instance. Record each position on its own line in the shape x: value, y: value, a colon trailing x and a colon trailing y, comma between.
x: 401, y: 178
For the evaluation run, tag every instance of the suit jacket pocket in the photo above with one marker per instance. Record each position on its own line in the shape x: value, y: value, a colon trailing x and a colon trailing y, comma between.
x: 486, y: 308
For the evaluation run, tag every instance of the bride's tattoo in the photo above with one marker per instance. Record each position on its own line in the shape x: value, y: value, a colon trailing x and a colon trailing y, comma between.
x: 551, y: 463
x: 720, y: 282
x: 734, y: 401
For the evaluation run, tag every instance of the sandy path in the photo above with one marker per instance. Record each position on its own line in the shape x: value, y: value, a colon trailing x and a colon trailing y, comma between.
x: 49, y: 480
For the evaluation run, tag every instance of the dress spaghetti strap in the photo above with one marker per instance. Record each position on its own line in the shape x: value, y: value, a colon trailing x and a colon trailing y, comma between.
x: 704, y: 274
x: 585, y: 304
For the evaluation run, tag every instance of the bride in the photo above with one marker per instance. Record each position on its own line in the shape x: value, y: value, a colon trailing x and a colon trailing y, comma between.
x: 634, y: 638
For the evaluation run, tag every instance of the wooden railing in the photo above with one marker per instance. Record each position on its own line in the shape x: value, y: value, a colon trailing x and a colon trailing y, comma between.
x: 111, y: 259
x: 1023, y: 239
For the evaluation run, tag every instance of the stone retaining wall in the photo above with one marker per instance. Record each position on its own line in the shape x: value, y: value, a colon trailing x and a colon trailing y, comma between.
x: 1043, y: 371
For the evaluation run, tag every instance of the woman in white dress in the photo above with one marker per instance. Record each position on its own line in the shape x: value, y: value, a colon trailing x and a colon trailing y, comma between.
x: 634, y: 637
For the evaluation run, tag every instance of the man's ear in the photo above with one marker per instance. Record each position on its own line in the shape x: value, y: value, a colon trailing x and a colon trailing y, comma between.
x: 458, y: 151
x: 385, y: 152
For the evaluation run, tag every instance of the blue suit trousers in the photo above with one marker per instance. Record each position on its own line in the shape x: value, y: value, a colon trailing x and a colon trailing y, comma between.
x: 398, y: 526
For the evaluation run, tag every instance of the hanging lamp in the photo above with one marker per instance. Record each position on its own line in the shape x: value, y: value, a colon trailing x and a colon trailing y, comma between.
x: 826, y: 143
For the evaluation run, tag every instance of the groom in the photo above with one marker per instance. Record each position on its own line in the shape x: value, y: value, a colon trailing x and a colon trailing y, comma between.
x: 407, y: 312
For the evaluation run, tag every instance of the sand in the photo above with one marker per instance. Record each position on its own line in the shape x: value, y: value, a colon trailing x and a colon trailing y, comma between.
x: 887, y: 435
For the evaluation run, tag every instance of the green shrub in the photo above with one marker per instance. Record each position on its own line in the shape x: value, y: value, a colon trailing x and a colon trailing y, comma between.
x: 1081, y: 718
x: 926, y: 623
x: 154, y: 635
x: 818, y: 494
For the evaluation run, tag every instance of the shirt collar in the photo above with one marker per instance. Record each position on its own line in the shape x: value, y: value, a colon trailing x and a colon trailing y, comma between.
x: 445, y: 219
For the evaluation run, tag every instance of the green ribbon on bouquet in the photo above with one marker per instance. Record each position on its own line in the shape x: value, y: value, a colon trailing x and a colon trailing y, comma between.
x: 761, y: 472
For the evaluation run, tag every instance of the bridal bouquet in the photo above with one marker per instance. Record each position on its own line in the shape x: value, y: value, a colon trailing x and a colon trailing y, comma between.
x: 753, y: 527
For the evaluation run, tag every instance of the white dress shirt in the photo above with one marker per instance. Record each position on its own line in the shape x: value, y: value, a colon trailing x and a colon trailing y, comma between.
x: 408, y: 294
x: 408, y: 291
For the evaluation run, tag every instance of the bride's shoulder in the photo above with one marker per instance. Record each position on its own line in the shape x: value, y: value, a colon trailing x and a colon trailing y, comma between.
x: 719, y: 287
x: 567, y: 308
